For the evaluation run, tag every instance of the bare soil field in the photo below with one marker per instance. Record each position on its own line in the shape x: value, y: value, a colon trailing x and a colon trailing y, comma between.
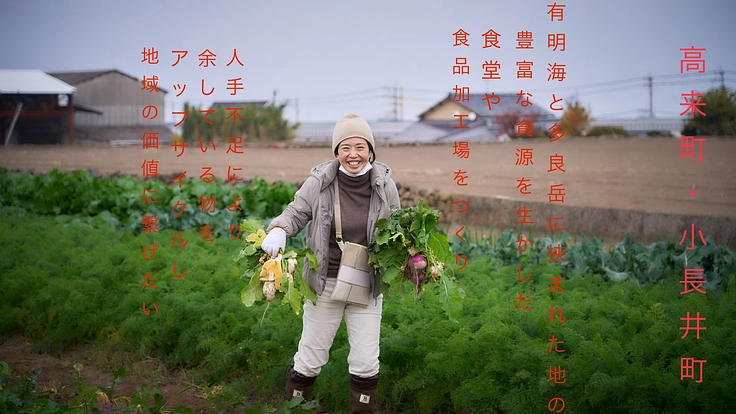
x: 631, y: 173
x: 57, y: 379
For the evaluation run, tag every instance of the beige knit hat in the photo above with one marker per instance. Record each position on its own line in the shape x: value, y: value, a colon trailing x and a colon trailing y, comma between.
x: 350, y: 126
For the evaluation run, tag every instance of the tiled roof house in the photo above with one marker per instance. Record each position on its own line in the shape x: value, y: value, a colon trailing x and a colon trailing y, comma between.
x: 440, y: 123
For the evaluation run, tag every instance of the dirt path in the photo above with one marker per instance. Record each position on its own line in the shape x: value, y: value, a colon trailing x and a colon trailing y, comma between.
x: 636, y: 174
x: 58, y: 379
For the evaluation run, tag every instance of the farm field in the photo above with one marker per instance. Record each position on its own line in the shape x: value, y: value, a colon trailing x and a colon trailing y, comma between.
x: 71, y: 270
x: 621, y: 333
x: 631, y: 173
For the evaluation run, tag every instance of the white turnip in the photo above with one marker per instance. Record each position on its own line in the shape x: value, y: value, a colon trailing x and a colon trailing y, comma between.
x: 292, y: 264
x: 269, y: 291
x: 434, y: 272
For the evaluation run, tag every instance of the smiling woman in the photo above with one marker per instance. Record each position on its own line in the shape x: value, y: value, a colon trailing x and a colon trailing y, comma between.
x: 339, y: 204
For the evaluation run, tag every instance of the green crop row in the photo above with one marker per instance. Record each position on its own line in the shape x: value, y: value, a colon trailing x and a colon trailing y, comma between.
x: 124, y: 201
x: 626, y: 260
x: 120, y: 202
x: 70, y: 280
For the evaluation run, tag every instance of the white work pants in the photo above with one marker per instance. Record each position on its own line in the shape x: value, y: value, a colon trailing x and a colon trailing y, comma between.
x: 321, y: 321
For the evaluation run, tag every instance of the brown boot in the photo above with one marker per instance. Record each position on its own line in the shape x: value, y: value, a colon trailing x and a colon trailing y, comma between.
x: 297, y: 385
x: 363, y: 395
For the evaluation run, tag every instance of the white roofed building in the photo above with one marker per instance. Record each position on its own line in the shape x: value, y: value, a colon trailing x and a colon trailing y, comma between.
x: 36, y: 108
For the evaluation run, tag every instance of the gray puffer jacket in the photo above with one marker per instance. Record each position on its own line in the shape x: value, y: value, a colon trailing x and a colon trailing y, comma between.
x: 313, y: 207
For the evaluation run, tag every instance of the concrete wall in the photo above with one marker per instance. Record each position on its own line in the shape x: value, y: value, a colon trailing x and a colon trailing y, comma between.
x: 120, y: 99
x: 608, y: 224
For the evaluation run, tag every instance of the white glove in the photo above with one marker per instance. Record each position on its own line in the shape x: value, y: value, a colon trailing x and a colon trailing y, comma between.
x: 274, y: 241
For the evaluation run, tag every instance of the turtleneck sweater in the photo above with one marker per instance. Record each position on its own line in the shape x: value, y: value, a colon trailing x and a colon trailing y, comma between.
x: 355, y: 199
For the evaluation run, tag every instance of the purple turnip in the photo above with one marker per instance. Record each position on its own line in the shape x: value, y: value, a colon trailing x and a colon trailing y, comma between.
x: 417, y: 262
x: 416, y: 278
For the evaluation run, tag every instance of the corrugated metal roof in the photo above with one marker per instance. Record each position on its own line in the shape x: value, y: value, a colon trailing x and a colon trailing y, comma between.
x: 641, y: 126
x: 481, y: 130
x: 315, y: 131
x: 478, y: 132
x: 32, y: 82
x: 425, y: 131
x: 237, y: 104
x: 77, y: 77
x: 651, y: 123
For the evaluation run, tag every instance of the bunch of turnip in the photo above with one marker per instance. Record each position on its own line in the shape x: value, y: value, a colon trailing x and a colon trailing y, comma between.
x: 409, y: 246
x: 280, y: 275
x: 418, y: 269
x: 415, y: 268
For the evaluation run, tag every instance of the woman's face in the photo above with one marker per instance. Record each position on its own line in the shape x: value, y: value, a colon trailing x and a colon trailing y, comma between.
x: 353, y: 154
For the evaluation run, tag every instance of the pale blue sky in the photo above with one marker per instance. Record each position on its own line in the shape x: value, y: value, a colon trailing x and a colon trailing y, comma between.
x: 313, y: 50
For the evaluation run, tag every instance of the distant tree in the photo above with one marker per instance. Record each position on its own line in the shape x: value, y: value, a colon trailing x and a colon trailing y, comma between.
x: 659, y: 134
x: 193, y: 123
x: 254, y: 124
x: 575, y: 120
x: 272, y: 124
x: 720, y: 114
x: 600, y: 130
x: 510, y: 121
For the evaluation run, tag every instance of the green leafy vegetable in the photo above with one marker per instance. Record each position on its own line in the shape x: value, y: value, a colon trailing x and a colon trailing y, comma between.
x: 411, y: 233
x: 61, y: 193
x: 284, y: 275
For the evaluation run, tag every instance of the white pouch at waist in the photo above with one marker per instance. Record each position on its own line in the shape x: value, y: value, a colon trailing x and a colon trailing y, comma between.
x: 354, y: 276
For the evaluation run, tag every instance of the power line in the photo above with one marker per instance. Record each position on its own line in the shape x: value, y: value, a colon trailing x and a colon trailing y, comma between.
x: 398, y: 100
x: 593, y: 85
x: 343, y: 94
x: 426, y: 90
x: 684, y: 83
x: 609, y: 90
x: 337, y: 104
x: 688, y: 74
x: 344, y: 100
x: 642, y: 81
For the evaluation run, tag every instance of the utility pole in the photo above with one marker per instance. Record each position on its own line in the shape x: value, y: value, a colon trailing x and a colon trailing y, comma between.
x: 296, y: 106
x: 396, y: 94
x: 720, y: 72
x: 401, y: 98
x: 396, y: 101
x: 651, y: 104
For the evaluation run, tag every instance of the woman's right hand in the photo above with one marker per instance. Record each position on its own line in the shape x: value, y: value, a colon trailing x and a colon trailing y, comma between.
x: 275, y: 240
